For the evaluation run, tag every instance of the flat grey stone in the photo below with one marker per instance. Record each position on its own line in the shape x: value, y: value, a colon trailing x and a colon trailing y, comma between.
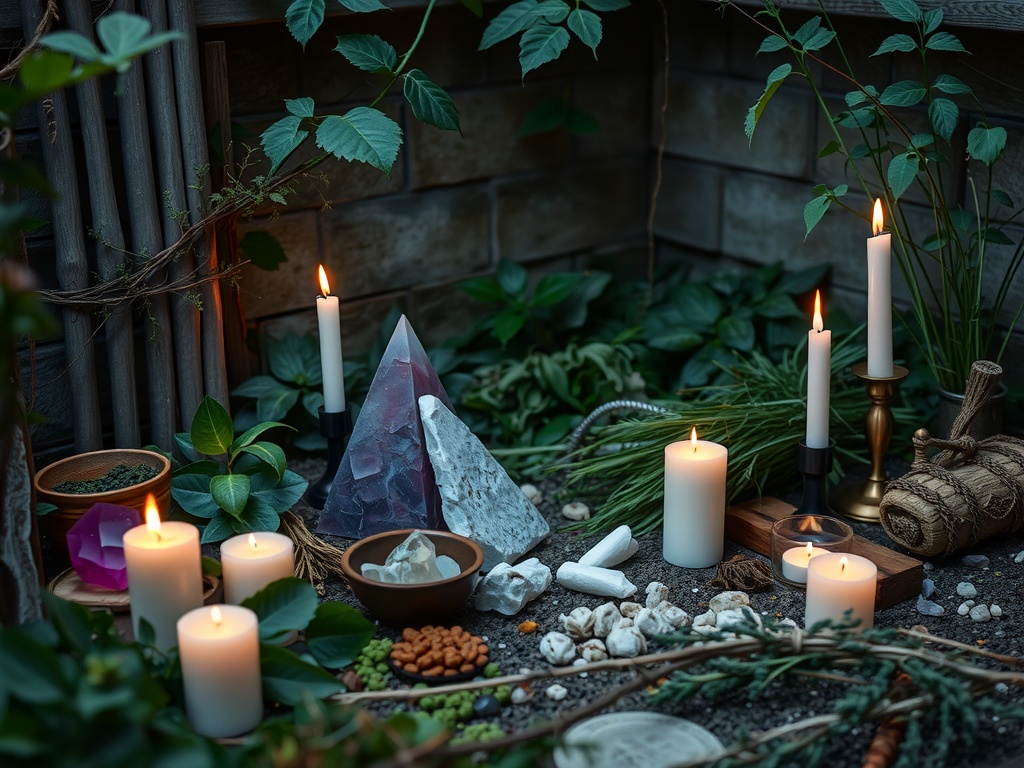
x: 927, y: 588
x: 981, y: 613
x: 928, y: 608
x: 478, y: 498
x: 966, y: 589
x: 975, y: 561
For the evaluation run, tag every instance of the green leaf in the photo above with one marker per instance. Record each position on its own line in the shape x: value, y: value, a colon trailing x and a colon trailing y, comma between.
x: 192, y: 493
x: 902, y: 43
x: 211, y: 430
x: 475, y: 6
x: 902, y: 10
x: 211, y: 566
x: 73, y: 43
x: 905, y: 93
x: 258, y: 515
x: 45, y: 71
x: 777, y: 305
x: 312, y: 401
x: 943, y: 114
x: 286, y: 361
x: 184, y: 442
x: 698, y: 305
x: 813, y: 212
x: 677, y: 339
x: 31, y: 670
x: 275, y: 406
x: 775, y: 80
x: 269, y: 454
x: 587, y: 27
x: 541, y: 44
x: 581, y: 122
x: 430, y: 104
x: 257, y: 386
x: 283, y: 606
x: 262, y: 249
x: 550, y: 114
x: 508, y: 23
x: 607, y: 5
x: 301, y: 107
x: 551, y: 11
x: 951, y: 85
x: 281, y: 139
x: 231, y: 492
x: 901, y: 173
x: 287, y: 679
x: 367, y: 52
x: 737, y: 332
x: 220, y: 527
x: 961, y: 218
x: 247, y: 437
x: 932, y: 19
x: 281, y: 494
x: 772, y: 43
x: 944, y: 41
x: 985, y: 143
x: 802, y: 280
x: 304, y: 18
x: 363, y: 6
x: 554, y: 288
x: 507, y: 324
x: 997, y: 194
x: 512, y: 278
x: 484, y: 289
x: 819, y: 40
x: 337, y: 633
x: 363, y: 134
x: 995, y: 236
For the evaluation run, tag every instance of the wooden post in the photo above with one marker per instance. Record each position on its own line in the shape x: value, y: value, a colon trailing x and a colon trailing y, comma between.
x: 181, y: 17
x: 171, y: 179
x: 109, y: 244
x: 72, y: 267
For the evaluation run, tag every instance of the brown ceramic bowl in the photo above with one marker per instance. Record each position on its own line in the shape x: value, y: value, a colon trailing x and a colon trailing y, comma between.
x: 407, y: 605
x: 88, y: 466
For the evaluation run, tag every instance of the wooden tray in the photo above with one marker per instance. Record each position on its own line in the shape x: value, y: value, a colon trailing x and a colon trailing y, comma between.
x: 69, y: 586
x: 899, y: 576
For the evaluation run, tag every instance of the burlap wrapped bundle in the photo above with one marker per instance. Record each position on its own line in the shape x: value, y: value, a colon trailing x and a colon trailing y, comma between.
x: 971, y: 490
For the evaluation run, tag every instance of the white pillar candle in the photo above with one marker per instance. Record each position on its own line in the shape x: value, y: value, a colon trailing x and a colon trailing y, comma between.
x: 837, y: 583
x: 796, y: 560
x: 819, y: 362
x: 165, y: 575
x: 220, y: 670
x: 879, y: 298
x: 328, y: 315
x: 694, y: 512
x: 253, y: 560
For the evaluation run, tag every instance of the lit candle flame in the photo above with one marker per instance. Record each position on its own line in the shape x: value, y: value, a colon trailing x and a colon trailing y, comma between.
x: 842, y: 563
x: 325, y: 287
x: 215, y: 615
x: 693, y: 438
x: 810, y: 550
x: 818, y: 324
x: 252, y: 540
x: 153, y: 516
x: 876, y: 217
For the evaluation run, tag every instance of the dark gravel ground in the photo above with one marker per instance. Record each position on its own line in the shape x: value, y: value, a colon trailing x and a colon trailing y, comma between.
x: 1001, y: 583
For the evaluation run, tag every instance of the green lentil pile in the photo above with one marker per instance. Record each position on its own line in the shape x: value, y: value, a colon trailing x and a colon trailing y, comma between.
x: 371, y: 665
x: 121, y: 476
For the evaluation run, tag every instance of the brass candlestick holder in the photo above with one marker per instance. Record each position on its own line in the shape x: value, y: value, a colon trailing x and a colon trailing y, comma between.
x: 862, y: 503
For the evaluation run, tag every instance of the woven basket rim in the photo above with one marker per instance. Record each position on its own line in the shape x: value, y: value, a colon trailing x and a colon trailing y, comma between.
x: 61, y: 470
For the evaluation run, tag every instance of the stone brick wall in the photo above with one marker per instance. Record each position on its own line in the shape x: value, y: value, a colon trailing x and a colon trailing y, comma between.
x: 724, y: 204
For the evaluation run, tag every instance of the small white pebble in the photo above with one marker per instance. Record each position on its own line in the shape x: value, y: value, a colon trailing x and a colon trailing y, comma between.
x: 964, y: 609
x: 1019, y: 557
x: 525, y: 670
x: 576, y: 510
x: 583, y: 674
x: 996, y: 611
x: 966, y: 589
x: 695, y: 590
x: 1002, y: 688
x: 532, y: 493
x: 580, y: 663
x: 521, y: 695
x: 556, y: 692
x: 502, y: 645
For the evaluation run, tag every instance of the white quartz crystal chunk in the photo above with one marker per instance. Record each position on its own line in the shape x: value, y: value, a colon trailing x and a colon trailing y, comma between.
x: 594, y: 581
x: 414, y: 561
x: 508, y: 588
x: 651, y: 622
x: 618, y: 546
x: 657, y: 593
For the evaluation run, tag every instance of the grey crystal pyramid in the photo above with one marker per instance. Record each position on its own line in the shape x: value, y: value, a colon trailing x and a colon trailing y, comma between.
x: 480, y: 501
x: 385, y: 481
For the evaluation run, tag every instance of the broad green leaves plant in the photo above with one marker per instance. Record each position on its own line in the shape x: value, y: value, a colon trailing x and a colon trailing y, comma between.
x: 236, y: 484
x: 957, y: 303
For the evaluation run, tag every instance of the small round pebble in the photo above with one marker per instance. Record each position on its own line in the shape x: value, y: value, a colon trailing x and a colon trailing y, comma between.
x: 966, y: 589
x: 486, y: 706
x: 556, y: 692
x: 975, y: 561
x: 521, y: 695
x: 995, y: 611
x: 576, y: 510
x: 980, y: 613
x: 964, y: 609
x: 532, y: 493
x: 1019, y: 557
x: 927, y: 588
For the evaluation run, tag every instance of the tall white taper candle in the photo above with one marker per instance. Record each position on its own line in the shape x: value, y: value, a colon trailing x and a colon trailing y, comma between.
x: 819, y: 362
x: 328, y: 315
x: 879, y: 298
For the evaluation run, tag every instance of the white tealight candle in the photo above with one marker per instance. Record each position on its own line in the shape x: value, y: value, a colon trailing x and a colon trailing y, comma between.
x: 819, y: 363
x: 328, y: 315
x: 694, y: 512
x: 879, y: 298
x: 253, y: 560
x: 837, y: 583
x: 796, y: 559
x: 165, y: 575
x: 220, y: 670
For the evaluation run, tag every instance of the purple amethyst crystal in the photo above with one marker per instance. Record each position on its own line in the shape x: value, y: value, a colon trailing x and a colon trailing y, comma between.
x: 385, y: 481
x: 94, y: 543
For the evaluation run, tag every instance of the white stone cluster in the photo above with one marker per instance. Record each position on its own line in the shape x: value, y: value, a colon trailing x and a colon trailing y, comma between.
x: 977, y: 611
x: 593, y: 574
x: 609, y: 630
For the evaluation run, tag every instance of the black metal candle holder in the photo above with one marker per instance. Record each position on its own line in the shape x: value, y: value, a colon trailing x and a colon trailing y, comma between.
x: 815, y: 465
x: 337, y: 428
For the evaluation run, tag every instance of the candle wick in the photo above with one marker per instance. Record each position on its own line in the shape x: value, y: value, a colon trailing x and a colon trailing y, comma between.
x: 158, y: 536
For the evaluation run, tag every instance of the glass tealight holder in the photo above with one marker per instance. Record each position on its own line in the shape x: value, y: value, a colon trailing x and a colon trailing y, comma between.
x: 799, y: 538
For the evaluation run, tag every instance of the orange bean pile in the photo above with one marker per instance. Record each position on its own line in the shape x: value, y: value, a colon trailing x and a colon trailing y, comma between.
x: 439, y: 652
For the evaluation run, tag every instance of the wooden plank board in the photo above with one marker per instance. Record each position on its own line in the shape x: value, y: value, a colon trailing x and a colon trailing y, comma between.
x: 899, y: 576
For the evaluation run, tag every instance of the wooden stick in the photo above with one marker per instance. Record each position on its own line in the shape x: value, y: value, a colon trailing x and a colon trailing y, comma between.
x: 110, y: 241
x: 72, y: 267
x: 170, y: 172
x: 181, y: 17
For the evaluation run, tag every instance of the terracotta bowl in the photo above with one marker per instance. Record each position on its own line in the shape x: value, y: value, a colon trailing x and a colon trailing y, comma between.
x: 88, y: 466
x: 412, y: 604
